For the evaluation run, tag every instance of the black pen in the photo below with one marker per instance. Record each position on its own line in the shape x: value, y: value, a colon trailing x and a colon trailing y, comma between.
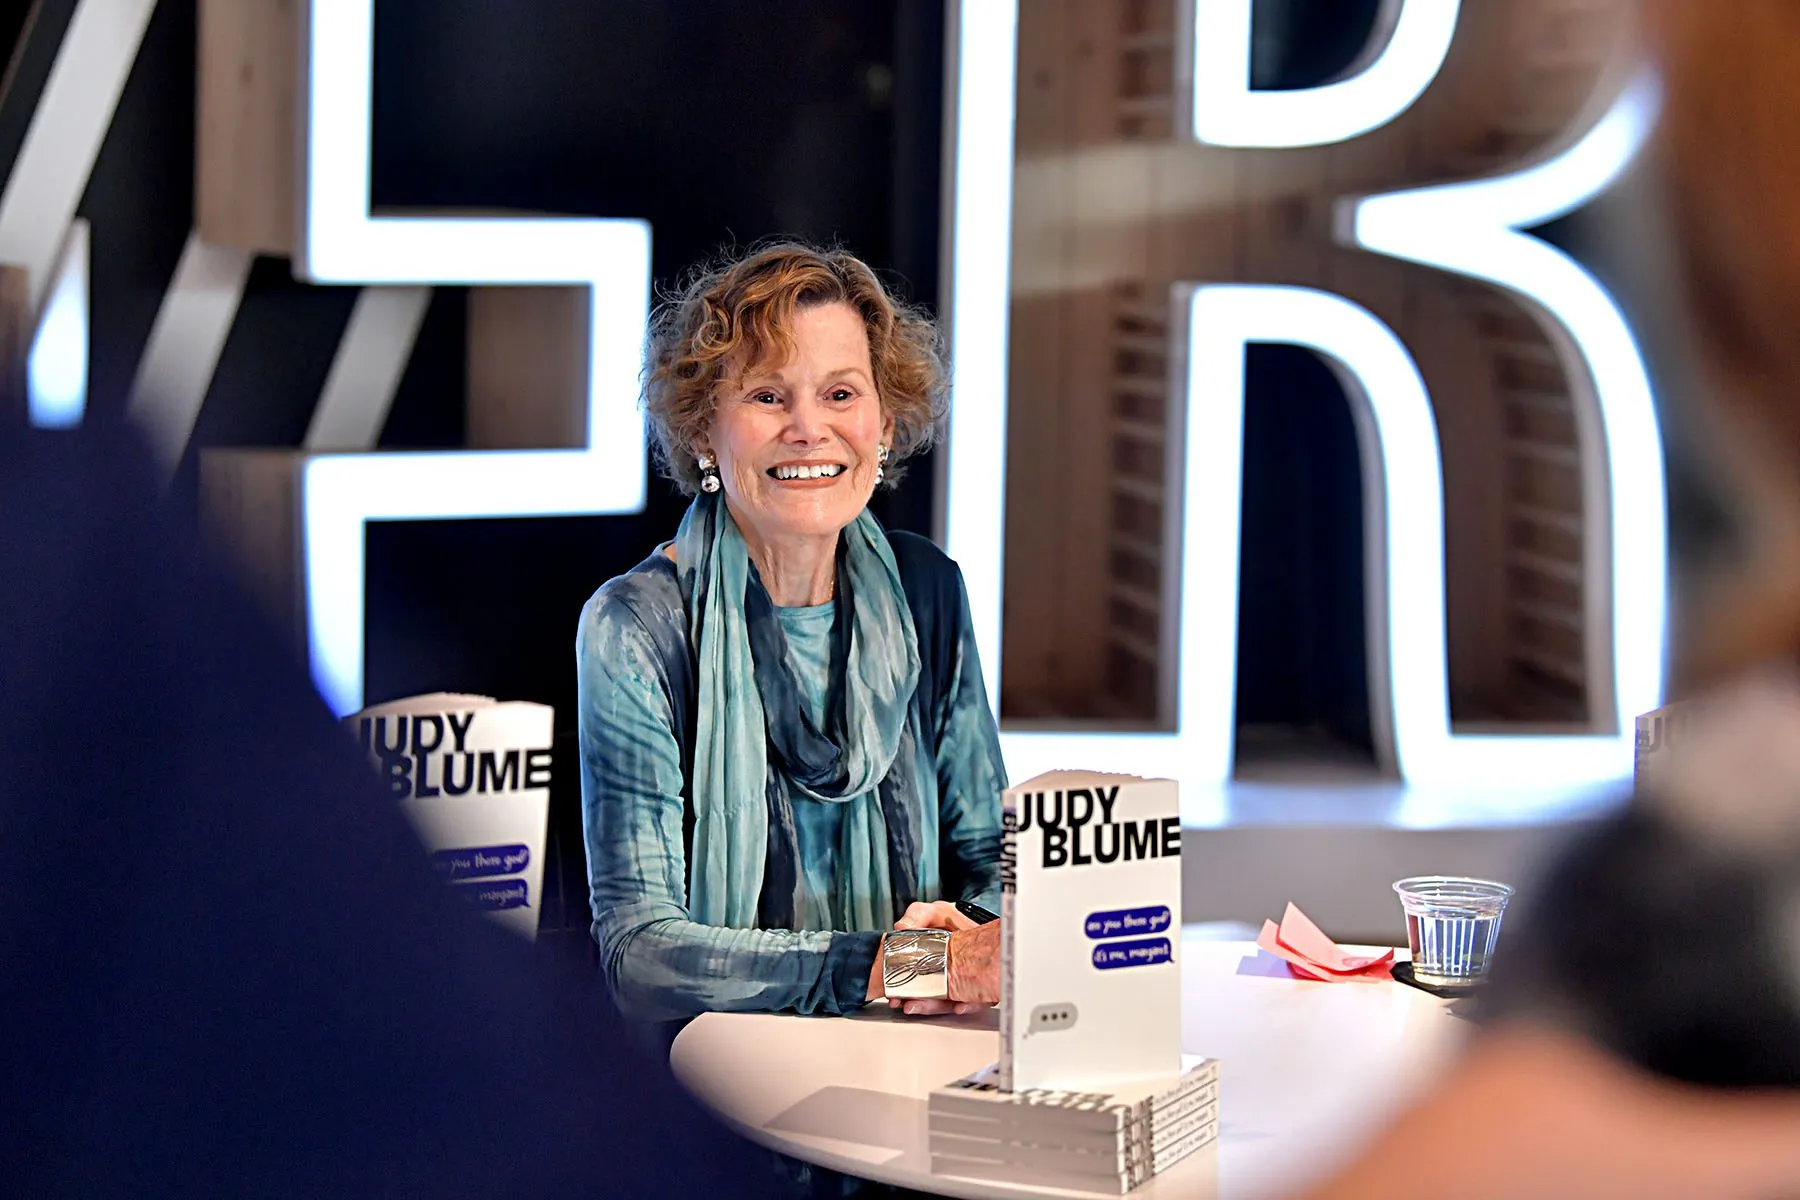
x: 975, y: 912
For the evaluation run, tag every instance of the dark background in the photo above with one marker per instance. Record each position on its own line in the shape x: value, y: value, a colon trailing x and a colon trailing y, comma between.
x: 720, y: 122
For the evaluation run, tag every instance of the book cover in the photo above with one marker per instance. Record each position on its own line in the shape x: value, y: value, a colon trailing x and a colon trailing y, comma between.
x: 1707, y: 730
x: 1091, y: 937
x: 1659, y: 731
x: 472, y: 774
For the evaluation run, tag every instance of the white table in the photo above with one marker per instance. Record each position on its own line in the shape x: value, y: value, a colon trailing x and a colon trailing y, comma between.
x: 1306, y: 1071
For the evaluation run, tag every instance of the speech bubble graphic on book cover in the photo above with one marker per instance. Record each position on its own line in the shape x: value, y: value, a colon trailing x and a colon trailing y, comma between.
x: 1128, y: 922
x: 496, y: 895
x: 1143, y: 952
x: 1052, y: 1018
x: 480, y: 862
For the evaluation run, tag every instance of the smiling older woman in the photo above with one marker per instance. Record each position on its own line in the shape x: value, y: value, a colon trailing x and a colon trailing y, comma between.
x: 786, y: 746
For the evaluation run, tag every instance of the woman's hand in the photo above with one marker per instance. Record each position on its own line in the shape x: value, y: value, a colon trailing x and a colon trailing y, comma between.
x: 975, y: 965
x: 937, y: 914
x: 974, y: 978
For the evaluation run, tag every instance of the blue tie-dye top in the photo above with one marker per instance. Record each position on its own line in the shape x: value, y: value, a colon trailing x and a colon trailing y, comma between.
x: 818, y: 823
x: 637, y: 688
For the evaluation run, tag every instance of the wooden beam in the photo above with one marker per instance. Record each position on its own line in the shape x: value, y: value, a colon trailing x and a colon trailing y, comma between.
x: 528, y: 368
x: 15, y: 343
x: 250, y: 515
x: 248, y: 124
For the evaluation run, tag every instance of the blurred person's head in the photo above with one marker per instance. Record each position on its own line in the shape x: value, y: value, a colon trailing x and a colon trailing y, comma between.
x: 1665, y: 931
x: 1728, y: 164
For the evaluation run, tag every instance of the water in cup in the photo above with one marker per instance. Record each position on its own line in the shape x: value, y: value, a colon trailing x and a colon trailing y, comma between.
x: 1452, y: 926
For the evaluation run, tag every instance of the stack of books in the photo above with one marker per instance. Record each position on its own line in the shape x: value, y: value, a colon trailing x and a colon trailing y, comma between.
x: 1091, y: 1141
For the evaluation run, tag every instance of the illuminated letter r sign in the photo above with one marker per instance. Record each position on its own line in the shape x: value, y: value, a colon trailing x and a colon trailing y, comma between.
x: 1472, y: 229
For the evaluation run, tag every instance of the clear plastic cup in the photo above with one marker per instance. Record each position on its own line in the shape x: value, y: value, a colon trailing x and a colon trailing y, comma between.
x: 1452, y: 925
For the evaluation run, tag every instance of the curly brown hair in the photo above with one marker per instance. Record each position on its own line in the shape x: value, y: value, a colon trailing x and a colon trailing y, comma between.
x: 739, y: 313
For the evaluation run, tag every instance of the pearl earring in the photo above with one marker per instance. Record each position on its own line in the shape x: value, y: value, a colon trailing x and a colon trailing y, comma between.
x: 709, y: 474
x: 881, y: 457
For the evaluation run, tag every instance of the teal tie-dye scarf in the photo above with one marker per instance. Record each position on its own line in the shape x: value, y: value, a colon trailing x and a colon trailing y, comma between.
x: 753, y: 739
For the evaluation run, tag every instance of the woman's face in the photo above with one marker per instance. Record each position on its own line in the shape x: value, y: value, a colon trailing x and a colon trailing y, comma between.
x: 797, y: 443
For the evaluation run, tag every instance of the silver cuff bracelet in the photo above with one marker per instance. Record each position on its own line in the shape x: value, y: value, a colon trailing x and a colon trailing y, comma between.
x: 916, y: 964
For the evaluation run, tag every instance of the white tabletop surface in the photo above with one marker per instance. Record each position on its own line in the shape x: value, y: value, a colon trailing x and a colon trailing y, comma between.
x: 1306, y: 1071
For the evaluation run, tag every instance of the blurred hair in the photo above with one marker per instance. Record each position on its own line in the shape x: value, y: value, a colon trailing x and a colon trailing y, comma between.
x: 737, y: 314
x: 1728, y: 163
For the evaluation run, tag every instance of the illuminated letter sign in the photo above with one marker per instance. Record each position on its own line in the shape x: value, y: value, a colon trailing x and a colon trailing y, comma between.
x: 1473, y: 230
x: 1227, y: 112
x: 56, y: 366
x: 341, y: 242
x: 1469, y: 228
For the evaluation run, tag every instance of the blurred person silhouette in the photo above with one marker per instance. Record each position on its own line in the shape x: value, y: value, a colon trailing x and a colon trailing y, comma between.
x: 227, y: 969
x: 1641, y: 1034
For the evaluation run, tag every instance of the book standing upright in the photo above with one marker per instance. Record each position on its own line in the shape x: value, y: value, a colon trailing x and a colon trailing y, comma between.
x: 472, y: 775
x: 1091, y: 931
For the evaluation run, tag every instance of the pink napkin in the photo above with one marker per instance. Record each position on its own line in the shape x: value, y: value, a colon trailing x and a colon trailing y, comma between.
x: 1312, y: 955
